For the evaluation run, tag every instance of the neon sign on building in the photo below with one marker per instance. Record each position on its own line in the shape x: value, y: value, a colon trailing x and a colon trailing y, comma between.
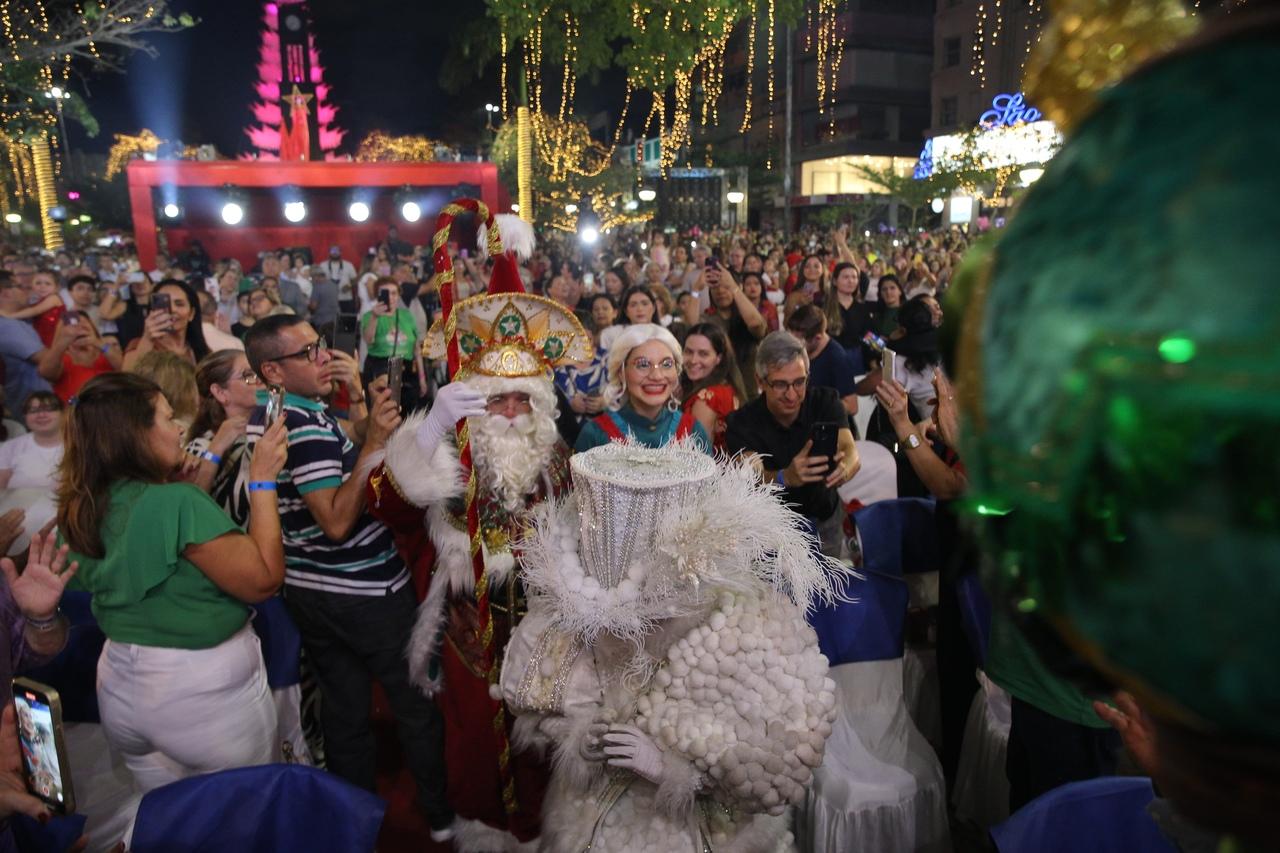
x: 1007, y: 111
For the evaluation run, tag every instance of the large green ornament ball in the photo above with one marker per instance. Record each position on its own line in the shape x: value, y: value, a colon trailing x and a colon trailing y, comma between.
x: 1125, y: 397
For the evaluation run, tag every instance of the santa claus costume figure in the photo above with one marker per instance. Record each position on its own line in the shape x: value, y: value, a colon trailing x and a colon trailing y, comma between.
x: 508, y: 343
x: 665, y: 664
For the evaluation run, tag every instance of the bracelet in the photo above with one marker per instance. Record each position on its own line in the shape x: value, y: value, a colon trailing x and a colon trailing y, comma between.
x: 262, y: 485
x: 356, y: 401
x: 210, y: 456
x: 49, y: 624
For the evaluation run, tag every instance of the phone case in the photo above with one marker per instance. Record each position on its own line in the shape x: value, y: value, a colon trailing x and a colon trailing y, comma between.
x: 66, y: 805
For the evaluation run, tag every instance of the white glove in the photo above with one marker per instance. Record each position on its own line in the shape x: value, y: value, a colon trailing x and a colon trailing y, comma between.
x: 454, y: 402
x: 591, y: 747
x: 631, y: 749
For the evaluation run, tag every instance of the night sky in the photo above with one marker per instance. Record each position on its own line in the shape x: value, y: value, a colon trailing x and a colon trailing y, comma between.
x: 382, y: 59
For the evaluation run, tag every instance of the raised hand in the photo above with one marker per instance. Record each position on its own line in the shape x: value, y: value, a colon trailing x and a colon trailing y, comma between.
x: 39, y: 588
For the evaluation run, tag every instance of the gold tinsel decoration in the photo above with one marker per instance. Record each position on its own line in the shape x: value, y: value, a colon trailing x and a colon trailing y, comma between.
x: 1088, y: 45
x: 126, y: 147
x: 382, y: 147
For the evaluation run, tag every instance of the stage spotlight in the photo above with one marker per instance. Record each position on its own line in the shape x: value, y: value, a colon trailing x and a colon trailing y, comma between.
x: 171, y: 211
x: 588, y: 225
x: 232, y: 213
x: 590, y: 235
x: 410, y: 211
x: 358, y: 211
x: 295, y: 211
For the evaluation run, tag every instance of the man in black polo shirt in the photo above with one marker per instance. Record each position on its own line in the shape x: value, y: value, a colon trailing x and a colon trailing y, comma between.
x: 778, y: 427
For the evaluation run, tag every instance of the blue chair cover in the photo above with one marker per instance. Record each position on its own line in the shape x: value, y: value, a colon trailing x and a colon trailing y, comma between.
x: 264, y: 809
x: 54, y: 837
x: 975, y: 614
x: 1105, y: 815
x: 74, y: 671
x: 281, y: 642
x: 899, y: 536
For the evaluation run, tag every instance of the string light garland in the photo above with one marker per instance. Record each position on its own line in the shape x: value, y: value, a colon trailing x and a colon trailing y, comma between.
x: 47, y: 193
x: 381, y: 147
x: 751, y: 67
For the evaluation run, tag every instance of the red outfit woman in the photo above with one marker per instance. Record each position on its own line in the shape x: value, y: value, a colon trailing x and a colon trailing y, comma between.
x: 75, y: 375
x: 722, y: 401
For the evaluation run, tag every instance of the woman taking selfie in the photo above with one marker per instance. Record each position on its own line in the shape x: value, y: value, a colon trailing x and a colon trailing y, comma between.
x: 642, y: 395
x: 711, y: 385
x: 172, y: 325
x: 182, y: 688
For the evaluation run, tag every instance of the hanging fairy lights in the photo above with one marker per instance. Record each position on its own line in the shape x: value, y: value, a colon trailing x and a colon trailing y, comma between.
x: 978, y: 63
x: 751, y: 67
x: 772, y: 51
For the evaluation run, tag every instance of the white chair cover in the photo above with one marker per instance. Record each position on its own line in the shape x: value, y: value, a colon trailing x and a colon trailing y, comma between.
x: 877, y: 478
x: 880, y: 787
x: 982, y: 788
x: 288, y: 702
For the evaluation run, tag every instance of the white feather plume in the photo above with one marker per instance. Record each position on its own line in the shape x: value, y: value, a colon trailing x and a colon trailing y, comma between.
x: 517, y: 236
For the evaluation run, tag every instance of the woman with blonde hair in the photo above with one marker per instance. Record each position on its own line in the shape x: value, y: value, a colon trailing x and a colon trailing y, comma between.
x: 216, y: 438
x: 177, y: 380
x: 642, y: 396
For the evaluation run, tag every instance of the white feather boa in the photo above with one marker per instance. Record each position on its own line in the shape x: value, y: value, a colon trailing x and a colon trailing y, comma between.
x: 737, y: 537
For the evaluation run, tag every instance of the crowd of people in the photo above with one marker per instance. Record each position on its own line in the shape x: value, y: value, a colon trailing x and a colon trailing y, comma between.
x: 204, y: 437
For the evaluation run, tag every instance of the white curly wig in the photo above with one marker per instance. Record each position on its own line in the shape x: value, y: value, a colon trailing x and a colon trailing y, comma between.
x: 615, y: 391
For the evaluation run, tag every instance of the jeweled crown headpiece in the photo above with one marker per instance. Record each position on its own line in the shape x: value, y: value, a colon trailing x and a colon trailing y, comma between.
x: 623, y: 492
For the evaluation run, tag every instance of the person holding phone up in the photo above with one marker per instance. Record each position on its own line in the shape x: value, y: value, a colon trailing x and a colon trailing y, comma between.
x: 390, y: 332
x: 182, y: 688
x: 800, y: 436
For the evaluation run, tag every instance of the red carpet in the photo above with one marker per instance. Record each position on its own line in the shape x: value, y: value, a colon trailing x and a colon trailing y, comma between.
x: 404, y: 829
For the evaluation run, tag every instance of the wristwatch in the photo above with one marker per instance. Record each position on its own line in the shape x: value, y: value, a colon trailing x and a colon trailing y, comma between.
x: 913, y: 441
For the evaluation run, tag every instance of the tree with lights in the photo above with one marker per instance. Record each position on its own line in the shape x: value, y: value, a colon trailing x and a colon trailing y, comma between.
x: 290, y: 75
x: 42, y: 46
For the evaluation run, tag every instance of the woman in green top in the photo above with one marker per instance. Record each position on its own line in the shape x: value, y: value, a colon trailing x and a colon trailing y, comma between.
x: 181, y: 684
x: 389, y: 332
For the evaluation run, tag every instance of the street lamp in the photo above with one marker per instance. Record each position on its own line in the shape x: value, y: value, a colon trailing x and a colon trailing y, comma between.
x: 647, y: 194
x: 58, y: 96
x: 490, y: 110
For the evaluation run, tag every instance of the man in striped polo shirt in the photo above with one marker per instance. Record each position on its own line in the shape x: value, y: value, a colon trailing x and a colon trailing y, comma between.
x: 345, y: 584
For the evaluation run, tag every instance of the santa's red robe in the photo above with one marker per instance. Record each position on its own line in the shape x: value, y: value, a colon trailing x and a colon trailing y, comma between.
x: 420, y: 500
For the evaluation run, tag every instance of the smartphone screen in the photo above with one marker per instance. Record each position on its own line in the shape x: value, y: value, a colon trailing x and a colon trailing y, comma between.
x: 44, y: 751
x: 275, y: 404
x: 824, y: 435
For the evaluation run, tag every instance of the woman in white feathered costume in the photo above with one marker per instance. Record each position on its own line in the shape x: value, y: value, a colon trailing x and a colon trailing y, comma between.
x: 665, y: 662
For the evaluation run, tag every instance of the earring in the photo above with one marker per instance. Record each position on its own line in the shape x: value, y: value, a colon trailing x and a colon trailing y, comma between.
x: 673, y: 404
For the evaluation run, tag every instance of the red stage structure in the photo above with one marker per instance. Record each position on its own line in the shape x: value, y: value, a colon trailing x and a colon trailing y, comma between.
x: 199, y: 189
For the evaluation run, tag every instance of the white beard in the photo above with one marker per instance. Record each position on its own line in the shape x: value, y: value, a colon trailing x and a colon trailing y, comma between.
x: 510, y: 454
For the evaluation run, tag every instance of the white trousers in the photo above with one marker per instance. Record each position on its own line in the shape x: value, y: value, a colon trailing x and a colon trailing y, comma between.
x: 174, y: 713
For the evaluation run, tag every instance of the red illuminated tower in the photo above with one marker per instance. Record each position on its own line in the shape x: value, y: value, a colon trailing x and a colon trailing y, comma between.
x: 294, y: 119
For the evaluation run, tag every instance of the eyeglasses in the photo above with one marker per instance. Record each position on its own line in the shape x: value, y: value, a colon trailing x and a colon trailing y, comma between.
x: 644, y: 365
x: 248, y: 377
x: 518, y: 397
x: 311, y: 352
x: 49, y: 407
x: 780, y: 386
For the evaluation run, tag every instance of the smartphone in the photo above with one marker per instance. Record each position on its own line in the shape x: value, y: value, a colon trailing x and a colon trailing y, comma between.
x: 464, y: 253
x: 888, y: 364
x: 275, y: 404
x: 44, y: 746
x: 385, y: 298
x: 874, y: 341
x: 824, y: 435
x: 589, y: 280
x: 395, y: 378
x: 160, y: 302
x: 71, y: 317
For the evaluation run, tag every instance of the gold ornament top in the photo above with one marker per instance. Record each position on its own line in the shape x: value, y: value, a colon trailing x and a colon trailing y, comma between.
x: 510, y: 335
x: 1088, y: 45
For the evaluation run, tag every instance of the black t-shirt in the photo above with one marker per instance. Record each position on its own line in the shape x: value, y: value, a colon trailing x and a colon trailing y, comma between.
x: 132, y: 323
x: 855, y: 321
x: 753, y: 428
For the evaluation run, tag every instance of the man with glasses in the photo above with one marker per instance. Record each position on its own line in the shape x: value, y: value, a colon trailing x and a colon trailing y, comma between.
x: 778, y: 426
x: 345, y: 583
x: 20, y: 346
